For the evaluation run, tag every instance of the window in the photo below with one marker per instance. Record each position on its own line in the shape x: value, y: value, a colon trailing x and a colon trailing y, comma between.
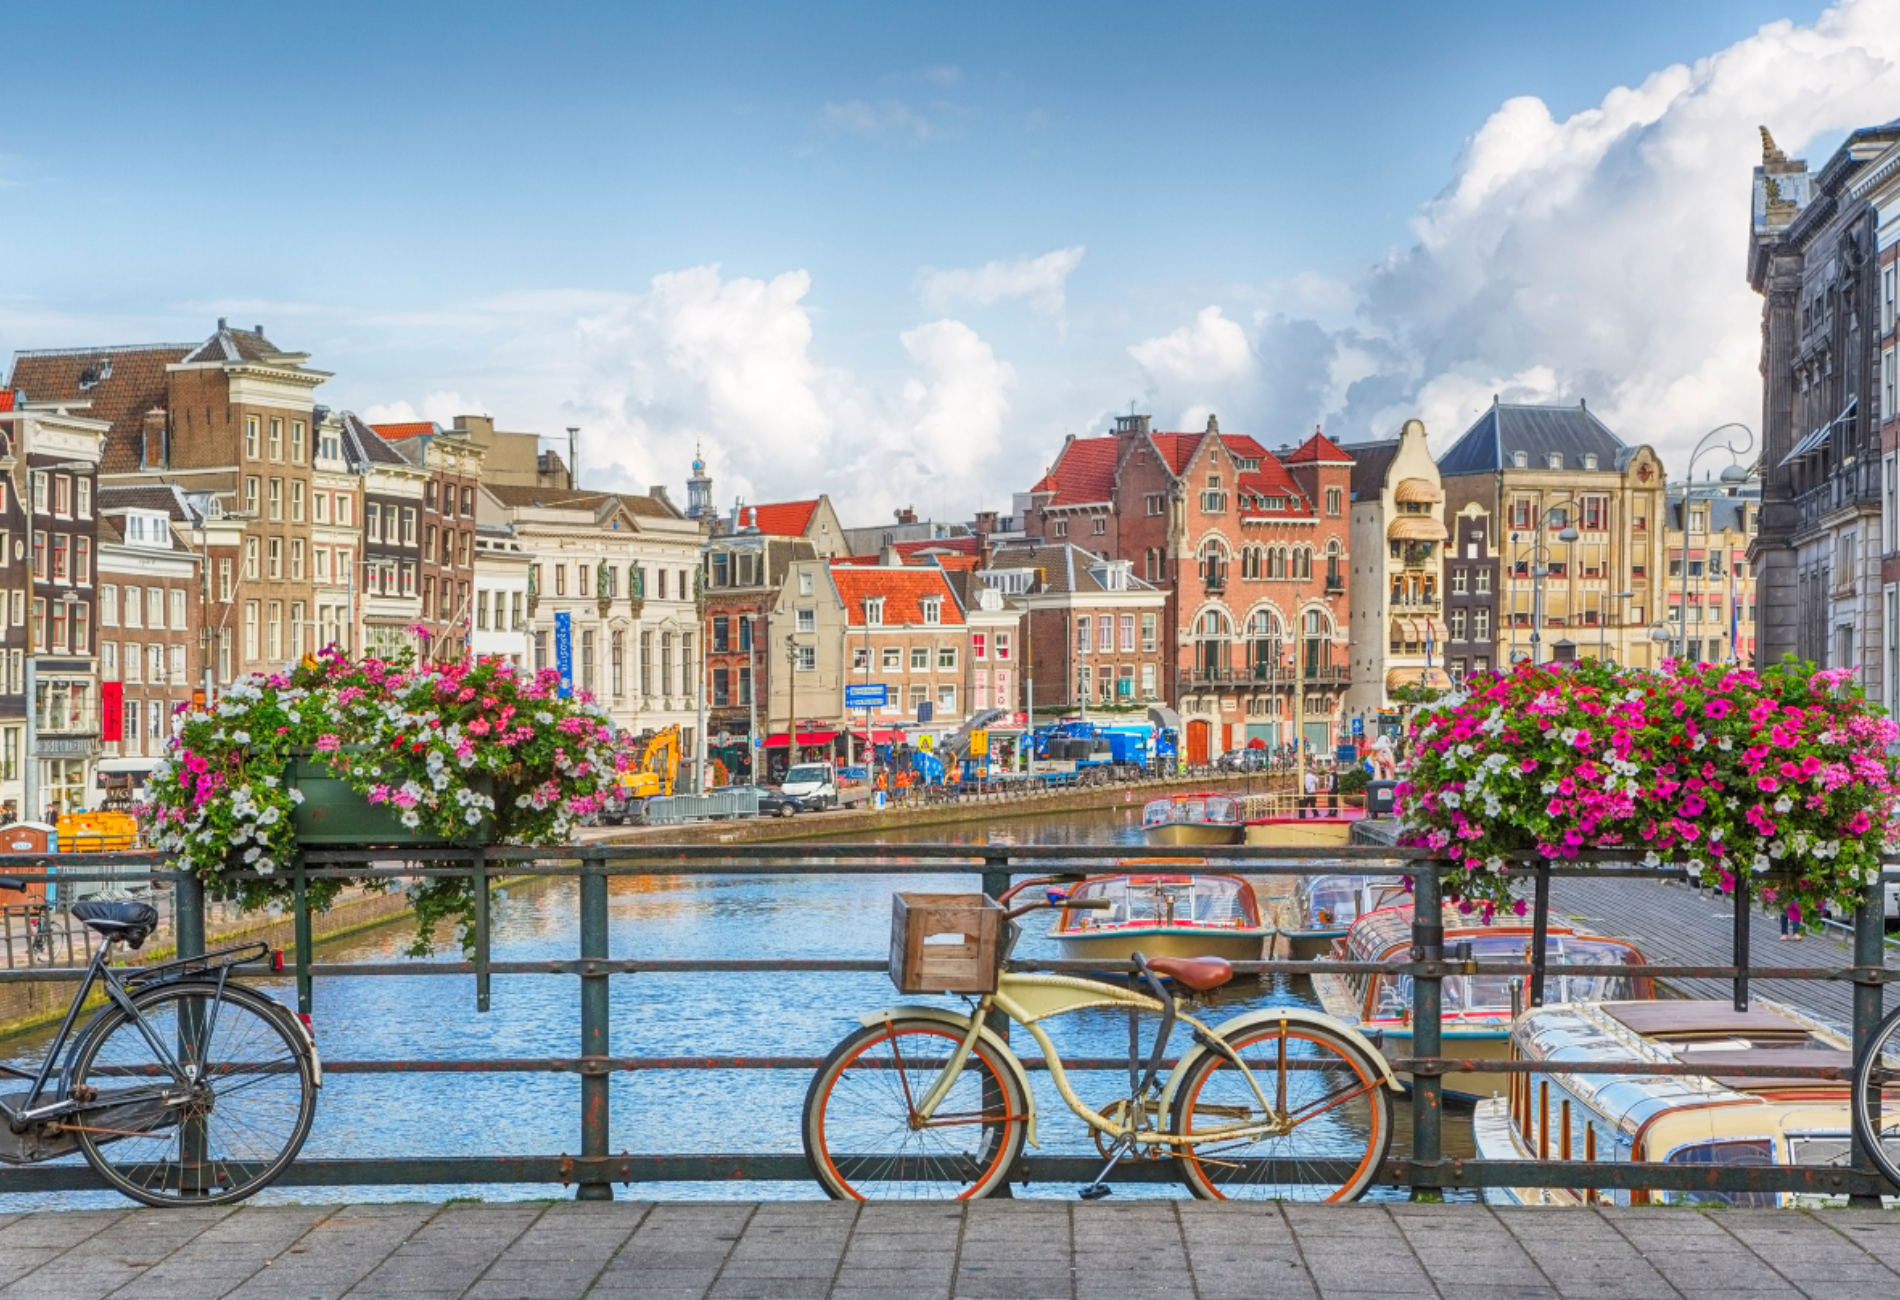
x: 63, y: 495
x: 893, y: 659
x: 135, y: 662
x: 1458, y: 577
x: 1554, y: 460
x: 1481, y: 626
x: 154, y: 607
x: 1156, y: 502
x: 276, y: 551
x: 1128, y: 631
x: 807, y: 658
x: 933, y: 611
x: 62, y: 558
x: 82, y: 629
x: 225, y: 584
x: 1213, y: 499
x: 1082, y: 627
x: 1062, y: 528
x: 807, y: 618
x: 296, y: 442
x: 804, y: 584
x: 320, y: 507
x: 252, y: 622
x: 1098, y: 524
x: 85, y: 498
x: 251, y: 431
x: 296, y: 500
x: 1481, y: 582
x: 1148, y: 681
x: 109, y: 661
x: 1593, y: 514
x: 274, y: 630
x: 1458, y: 630
x: 82, y: 561
x: 155, y: 664
x: 108, y: 606
x: 1002, y: 648
x: 39, y: 556
x: 1148, y: 633
x: 560, y: 580
x: 39, y: 623
x: 1105, y: 625
x: 276, y: 438
x: 1334, y: 498
x: 946, y: 659
x: 947, y: 699
x: 408, y: 525
x: 296, y: 559
x: 276, y: 499
x: 1520, y: 511
x: 345, y: 508
x: 468, y: 501
x: 177, y: 600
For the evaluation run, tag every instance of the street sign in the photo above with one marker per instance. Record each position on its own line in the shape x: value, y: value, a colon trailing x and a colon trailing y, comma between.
x: 979, y: 744
x: 564, y: 651
x: 1358, y: 726
x: 924, y: 743
x: 875, y: 696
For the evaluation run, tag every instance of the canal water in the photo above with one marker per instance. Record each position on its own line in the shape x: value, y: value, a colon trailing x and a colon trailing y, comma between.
x: 788, y: 1013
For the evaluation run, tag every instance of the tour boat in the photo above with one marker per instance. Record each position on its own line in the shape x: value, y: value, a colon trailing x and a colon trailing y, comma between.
x: 1715, y: 1119
x: 1192, y: 819
x: 1288, y: 820
x: 1478, y: 1009
x: 1164, y: 914
x: 1324, y: 908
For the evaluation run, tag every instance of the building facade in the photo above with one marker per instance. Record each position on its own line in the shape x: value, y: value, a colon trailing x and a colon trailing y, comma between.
x: 389, y: 610
x: 1092, y: 632
x: 1879, y: 185
x: 454, y: 466
x: 1710, y: 588
x: 1579, y: 517
x: 149, y: 623
x: 743, y: 574
x: 336, y: 537
x: 1252, y: 550
x: 501, y: 595
x: 1814, y: 256
x: 1471, y: 593
x: 1398, y: 624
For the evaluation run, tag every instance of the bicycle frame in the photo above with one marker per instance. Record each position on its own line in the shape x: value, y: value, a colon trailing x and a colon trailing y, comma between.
x: 1029, y: 999
x: 118, y: 990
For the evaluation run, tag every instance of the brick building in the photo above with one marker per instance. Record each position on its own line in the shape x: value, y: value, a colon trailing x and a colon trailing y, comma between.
x: 390, y: 606
x: 1091, y: 634
x: 454, y: 465
x: 1471, y: 592
x: 1252, y: 550
x: 742, y: 577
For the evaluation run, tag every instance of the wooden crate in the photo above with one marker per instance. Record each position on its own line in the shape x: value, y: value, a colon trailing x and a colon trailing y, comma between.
x: 945, y: 943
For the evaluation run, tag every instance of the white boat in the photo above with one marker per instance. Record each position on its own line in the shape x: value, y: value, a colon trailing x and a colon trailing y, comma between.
x: 1166, y: 913
x: 1192, y: 819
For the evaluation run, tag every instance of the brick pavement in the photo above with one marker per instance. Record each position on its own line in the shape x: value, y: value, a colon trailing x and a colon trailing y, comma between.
x: 631, y: 1250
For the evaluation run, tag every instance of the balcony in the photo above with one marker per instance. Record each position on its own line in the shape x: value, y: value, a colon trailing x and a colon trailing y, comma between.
x: 1197, y: 678
x: 57, y: 718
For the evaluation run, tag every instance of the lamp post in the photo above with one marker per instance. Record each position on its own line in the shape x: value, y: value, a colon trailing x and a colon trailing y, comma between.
x: 1733, y: 473
x: 754, y: 750
x: 791, y: 685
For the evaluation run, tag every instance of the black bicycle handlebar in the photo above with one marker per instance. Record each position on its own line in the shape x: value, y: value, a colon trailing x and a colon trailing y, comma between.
x: 8, y: 882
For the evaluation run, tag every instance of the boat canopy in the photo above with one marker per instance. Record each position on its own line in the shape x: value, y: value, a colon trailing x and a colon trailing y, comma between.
x: 1385, y: 935
x: 1212, y: 902
x: 1334, y: 902
x: 1192, y: 810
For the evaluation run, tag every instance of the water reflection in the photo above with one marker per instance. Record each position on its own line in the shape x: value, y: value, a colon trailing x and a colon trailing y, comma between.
x: 785, y: 1013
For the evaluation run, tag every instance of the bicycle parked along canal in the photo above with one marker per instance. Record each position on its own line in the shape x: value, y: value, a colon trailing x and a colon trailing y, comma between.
x: 927, y: 1102
x: 186, y: 1088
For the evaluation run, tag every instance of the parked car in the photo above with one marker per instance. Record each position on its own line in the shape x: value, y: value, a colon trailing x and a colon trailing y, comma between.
x: 773, y: 803
x: 1245, y: 760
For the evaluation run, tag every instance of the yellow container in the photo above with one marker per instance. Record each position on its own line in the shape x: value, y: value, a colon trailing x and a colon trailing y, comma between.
x: 98, y: 832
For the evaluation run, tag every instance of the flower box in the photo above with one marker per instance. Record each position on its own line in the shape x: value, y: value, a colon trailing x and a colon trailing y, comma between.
x: 333, y: 815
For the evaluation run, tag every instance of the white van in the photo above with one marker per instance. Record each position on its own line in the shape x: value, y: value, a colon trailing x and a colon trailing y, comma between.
x: 813, y: 784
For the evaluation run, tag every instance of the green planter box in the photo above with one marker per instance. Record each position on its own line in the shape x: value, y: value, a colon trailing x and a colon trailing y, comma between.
x: 334, y: 815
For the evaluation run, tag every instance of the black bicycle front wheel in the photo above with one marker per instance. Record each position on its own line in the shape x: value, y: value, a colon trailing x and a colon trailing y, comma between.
x: 1876, y: 1098
x: 202, y: 1096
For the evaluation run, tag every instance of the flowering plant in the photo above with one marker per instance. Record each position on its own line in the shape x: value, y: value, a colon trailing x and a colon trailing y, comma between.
x: 1782, y: 772
x: 484, y: 752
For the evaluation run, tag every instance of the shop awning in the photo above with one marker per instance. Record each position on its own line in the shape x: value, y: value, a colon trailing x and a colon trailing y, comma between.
x: 1415, y: 528
x: 806, y: 739
x: 887, y: 737
x: 1417, y: 492
x: 1436, y: 678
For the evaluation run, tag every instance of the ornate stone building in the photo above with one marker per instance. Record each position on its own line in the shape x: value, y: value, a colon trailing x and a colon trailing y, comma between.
x: 1813, y: 255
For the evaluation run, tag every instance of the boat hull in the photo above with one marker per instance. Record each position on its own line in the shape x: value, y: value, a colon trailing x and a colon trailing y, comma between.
x: 1465, y: 1044
x: 1297, y: 832
x: 1166, y: 941
x: 1310, y: 945
x: 1193, y: 833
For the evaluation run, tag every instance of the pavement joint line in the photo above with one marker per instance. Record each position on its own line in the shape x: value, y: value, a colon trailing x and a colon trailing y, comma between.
x: 844, y: 1251
x: 1412, y: 1250
x: 1640, y: 1253
x: 329, y: 1214
x: 956, y: 1254
x: 614, y: 1254
x: 732, y: 1248
x: 1187, y: 1255
x: 439, y: 1216
x: 157, y: 1260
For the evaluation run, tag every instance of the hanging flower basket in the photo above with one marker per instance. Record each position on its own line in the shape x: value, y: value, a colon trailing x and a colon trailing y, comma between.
x: 1782, y: 773
x: 343, y: 753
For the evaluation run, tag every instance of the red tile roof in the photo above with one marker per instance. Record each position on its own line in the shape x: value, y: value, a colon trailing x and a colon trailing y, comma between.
x: 782, y: 519
x: 6, y: 399
x: 1177, y: 449
x: 397, y: 432
x: 1083, y: 474
x: 903, y: 591
x: 949, y: 545
x: 1318, y: 448
x: 1271, y: 482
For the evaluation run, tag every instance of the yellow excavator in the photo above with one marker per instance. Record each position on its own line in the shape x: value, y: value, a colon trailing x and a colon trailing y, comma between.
x: 653, y: 774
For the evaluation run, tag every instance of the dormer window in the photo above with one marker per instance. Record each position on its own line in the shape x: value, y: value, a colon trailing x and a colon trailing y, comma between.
x: 1520, y: 460
x: 874, y: 611
x: 1589, y: 460
x: 1555, y: 460
x: 933, y: 611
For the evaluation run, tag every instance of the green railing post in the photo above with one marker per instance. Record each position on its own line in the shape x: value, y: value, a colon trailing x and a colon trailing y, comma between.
x: 1740, y: 939
x: 1870, y: 953
x: 595, y: 1006
x: 188, y: 931
x: 1428, y: 945
x: 1540, y: 933
x: 300, y: 905
x: 481, y: 928
x: 188, y: 915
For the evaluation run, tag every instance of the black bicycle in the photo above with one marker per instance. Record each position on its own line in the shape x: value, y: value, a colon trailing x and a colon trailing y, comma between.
x: 186, y: 1088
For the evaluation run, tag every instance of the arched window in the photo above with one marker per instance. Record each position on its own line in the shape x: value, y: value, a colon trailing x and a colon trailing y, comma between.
x: 1264, y: 639
x: 1213, y: 563
x: 1303, y: 562
x: 1276, y: 563
x: 1335, y: 580
x: 1316, y: 627
x: 1213, y: 639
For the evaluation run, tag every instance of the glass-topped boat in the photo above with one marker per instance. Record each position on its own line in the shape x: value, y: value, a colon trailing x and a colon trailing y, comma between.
x: 1478, y: 1009
x: 1324, y: 908
x: 1577, y: 1113
x: 1164, y: 914
x: 1193, y: 819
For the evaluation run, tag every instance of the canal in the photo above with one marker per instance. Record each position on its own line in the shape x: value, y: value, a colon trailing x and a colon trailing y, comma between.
x: 787, y: 1013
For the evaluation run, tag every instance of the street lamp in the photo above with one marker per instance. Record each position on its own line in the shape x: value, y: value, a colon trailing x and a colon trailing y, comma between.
x: 1540, y: 569
x: 791, y: 685
x: 1735, y: 472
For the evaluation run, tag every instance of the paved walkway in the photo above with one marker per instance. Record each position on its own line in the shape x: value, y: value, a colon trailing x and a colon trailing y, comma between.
x: 993, y: 1251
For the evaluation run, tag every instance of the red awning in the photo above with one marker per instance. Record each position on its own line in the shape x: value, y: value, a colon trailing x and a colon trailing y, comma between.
x: 881, y: 737
x: 805, y: 739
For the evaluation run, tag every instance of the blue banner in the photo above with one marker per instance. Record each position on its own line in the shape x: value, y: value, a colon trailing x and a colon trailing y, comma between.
x: 564, y: 651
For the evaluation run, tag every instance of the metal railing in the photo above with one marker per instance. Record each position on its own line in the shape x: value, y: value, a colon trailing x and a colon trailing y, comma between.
x: 1425, y: 1169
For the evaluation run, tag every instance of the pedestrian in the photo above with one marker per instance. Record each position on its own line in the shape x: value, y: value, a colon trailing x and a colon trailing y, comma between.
x: 1790, y: 927
x: 1309, y: 802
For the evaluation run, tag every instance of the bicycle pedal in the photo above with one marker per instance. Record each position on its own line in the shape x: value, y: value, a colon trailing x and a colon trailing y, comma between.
x: 1096, y: 1191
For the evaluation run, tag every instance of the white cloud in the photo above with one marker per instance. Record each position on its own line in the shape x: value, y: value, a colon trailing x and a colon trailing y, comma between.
x: 1041, y: 281
x: 440, y: 407
x: 886, y: 119
x: 1210, y: 349
x: 944, y: 74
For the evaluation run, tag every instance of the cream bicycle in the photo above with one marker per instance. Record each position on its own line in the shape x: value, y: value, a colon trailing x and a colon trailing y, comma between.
x: 926, y: 1102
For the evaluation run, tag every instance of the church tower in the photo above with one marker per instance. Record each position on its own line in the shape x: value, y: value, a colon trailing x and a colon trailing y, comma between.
x: 699, y: 502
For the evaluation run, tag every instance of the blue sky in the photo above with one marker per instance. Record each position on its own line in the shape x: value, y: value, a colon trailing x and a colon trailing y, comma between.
x: 468, y: 205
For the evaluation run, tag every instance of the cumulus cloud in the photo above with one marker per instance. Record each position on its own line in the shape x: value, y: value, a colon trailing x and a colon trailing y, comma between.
x: 439, y: 407
x: 944, y: 74
x: 1040, y: 281
x: 1597, y: 256
x: 886, y: 119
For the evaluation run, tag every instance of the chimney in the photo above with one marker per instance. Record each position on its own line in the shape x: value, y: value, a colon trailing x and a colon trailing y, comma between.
x: 1213, y: 423
x: 887, y: 557
x: 152, y: 439
x: 908, y: 515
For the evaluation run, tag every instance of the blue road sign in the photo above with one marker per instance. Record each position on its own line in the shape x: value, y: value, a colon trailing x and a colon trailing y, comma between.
x: 1358, y: 726
x: 867, y: 697
x: 564, y: 651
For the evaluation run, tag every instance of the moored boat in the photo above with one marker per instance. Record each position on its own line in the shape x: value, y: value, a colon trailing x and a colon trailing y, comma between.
x: 1166, y: 913
x: 1323, y: 908
x: 1192, y: 819
x: 1478, y: 1009
x: 1577, y: 1113
x: 1287, y: 820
